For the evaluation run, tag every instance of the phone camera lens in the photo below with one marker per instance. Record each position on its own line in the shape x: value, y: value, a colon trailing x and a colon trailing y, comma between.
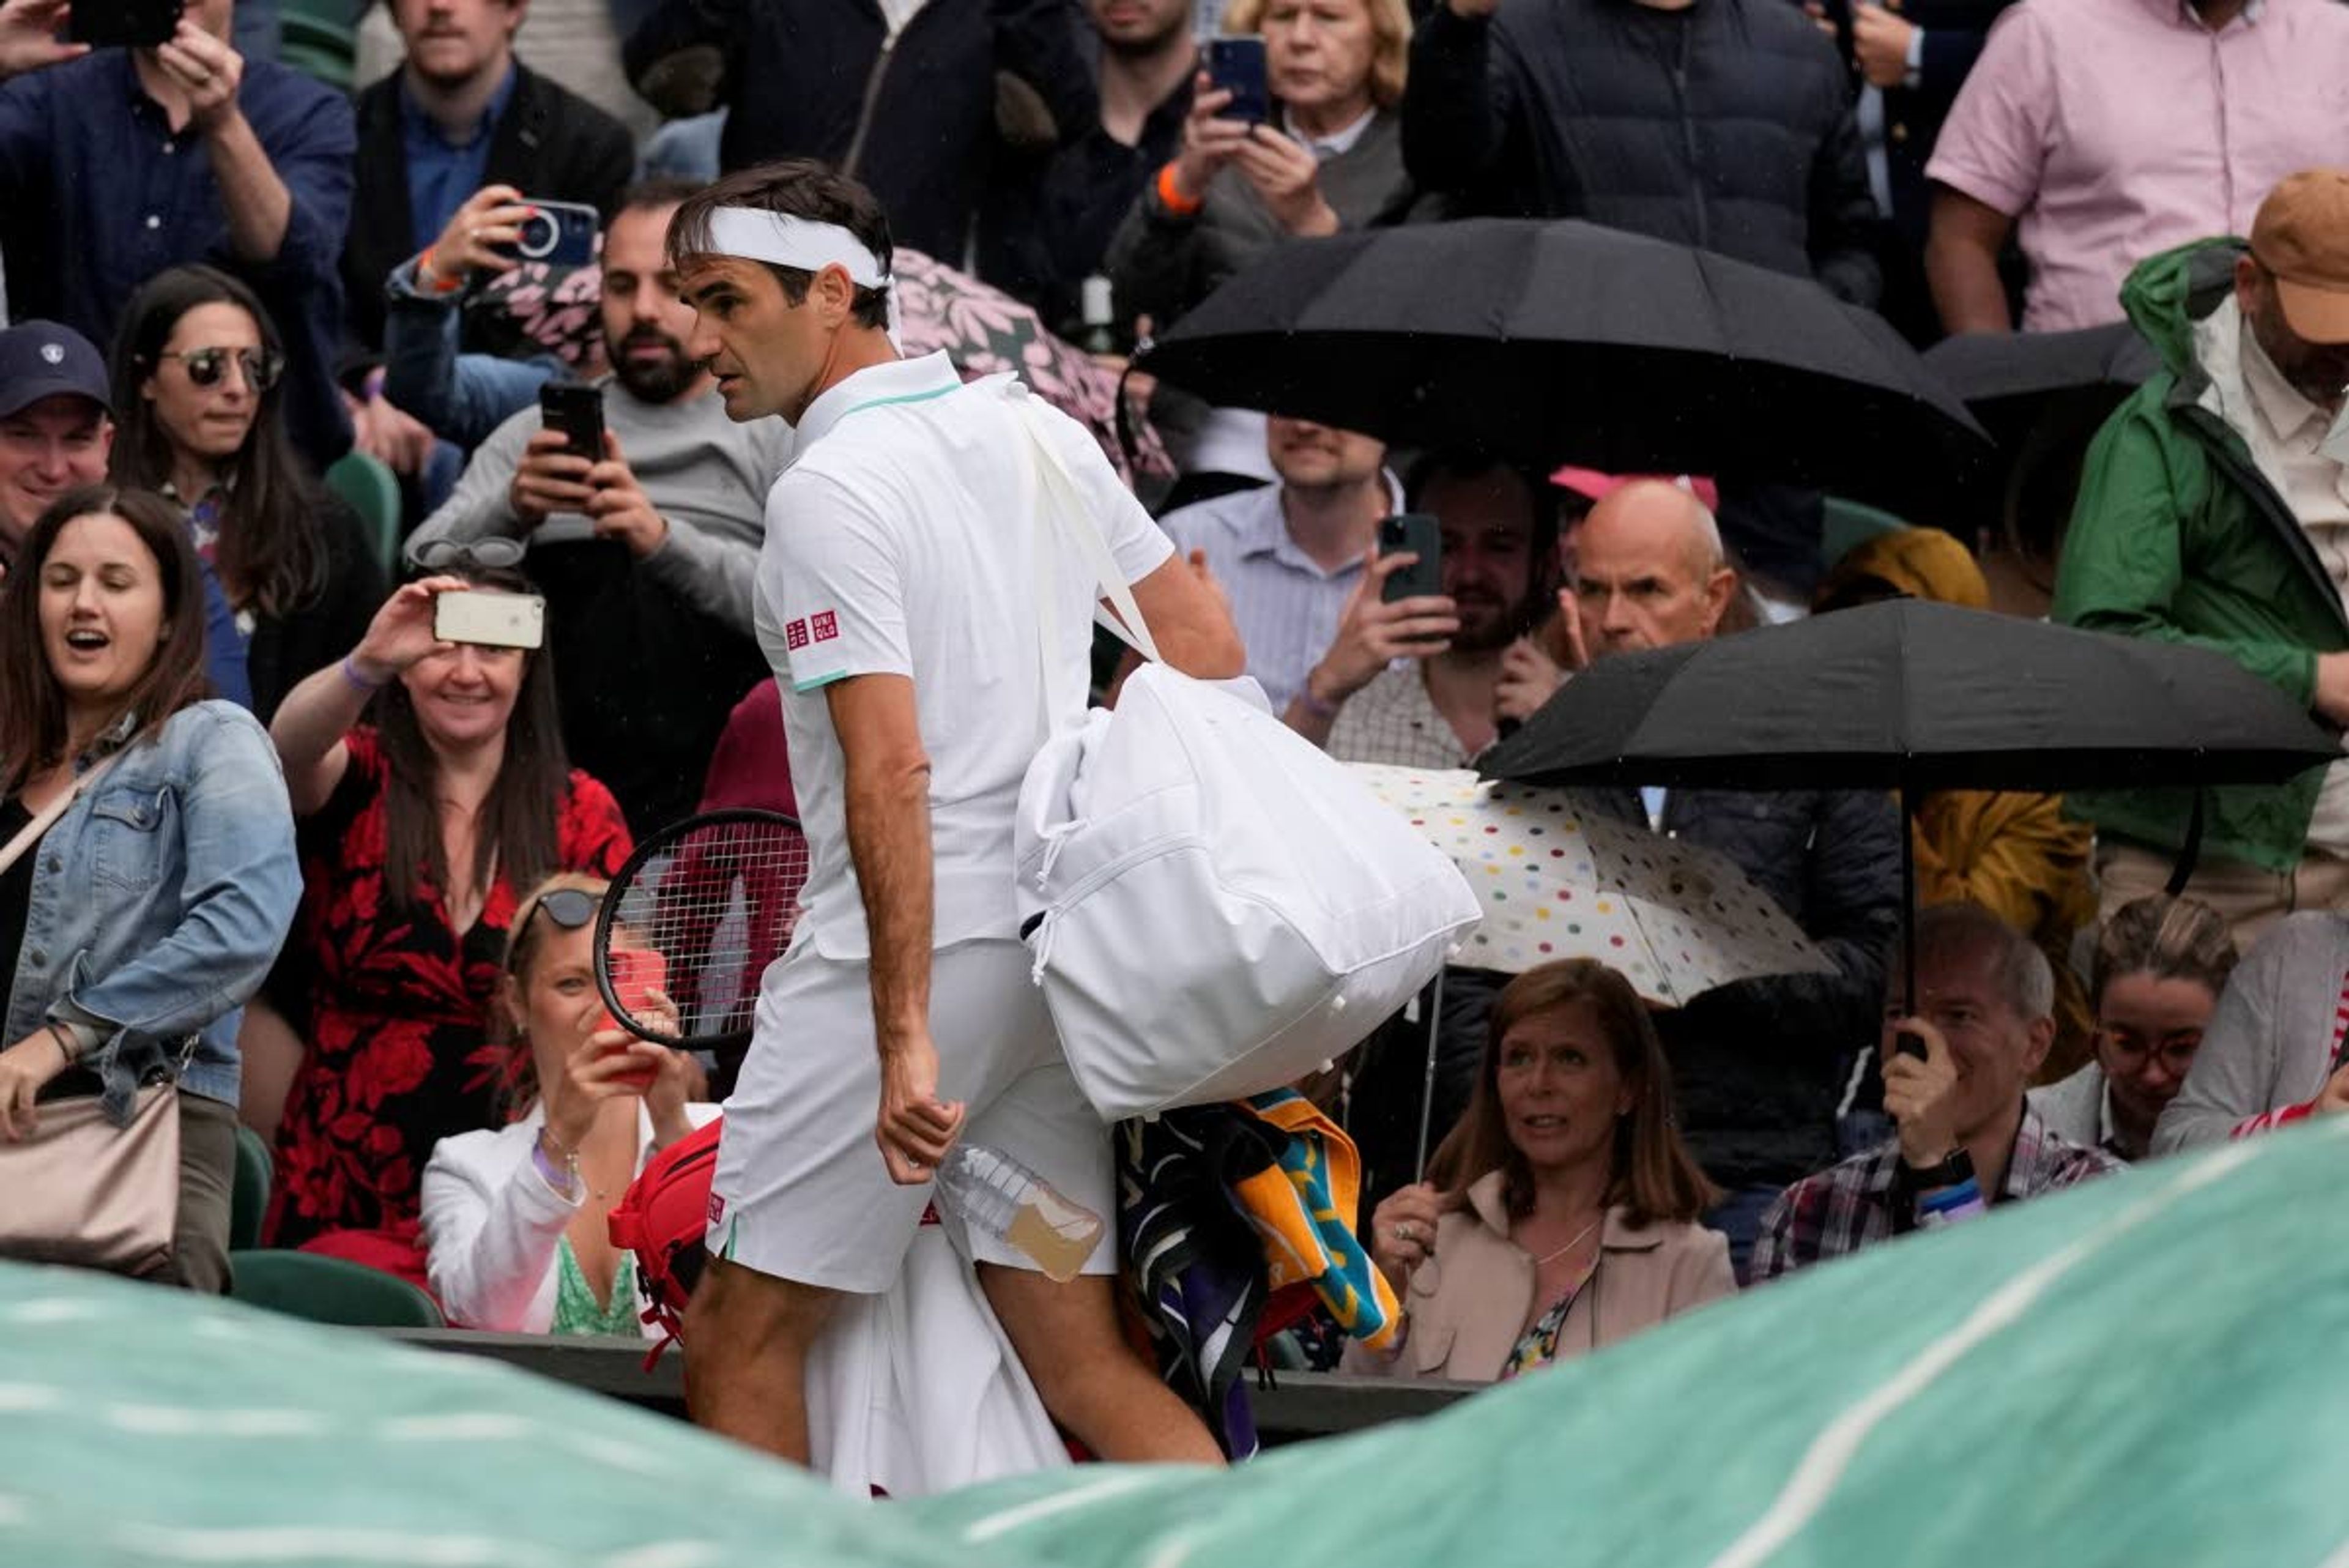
x: 538, y: 236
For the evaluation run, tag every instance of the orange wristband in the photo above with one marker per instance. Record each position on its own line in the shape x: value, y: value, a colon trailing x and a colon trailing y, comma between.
x: 438, y: 286
x: 1170, y: 194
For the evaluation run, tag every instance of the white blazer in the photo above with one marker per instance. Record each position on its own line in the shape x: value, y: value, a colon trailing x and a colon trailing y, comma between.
x: 491, y: 1223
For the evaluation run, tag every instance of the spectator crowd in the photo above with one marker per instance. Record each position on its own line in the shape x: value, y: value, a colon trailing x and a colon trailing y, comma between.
x: 280, y: 340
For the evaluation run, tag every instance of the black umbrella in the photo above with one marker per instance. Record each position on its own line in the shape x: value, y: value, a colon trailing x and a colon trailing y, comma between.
x: 1563, y: 342
x: 2013, y: 380
x: 1914, y: 696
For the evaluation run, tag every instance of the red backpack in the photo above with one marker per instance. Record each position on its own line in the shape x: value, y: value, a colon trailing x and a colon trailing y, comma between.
x: 662, y: 1220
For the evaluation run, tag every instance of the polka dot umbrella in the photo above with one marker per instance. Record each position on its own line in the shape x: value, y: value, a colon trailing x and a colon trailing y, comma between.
x: 1557, y: 881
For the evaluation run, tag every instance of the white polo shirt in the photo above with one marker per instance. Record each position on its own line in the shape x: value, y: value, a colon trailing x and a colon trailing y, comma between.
x: 898, y: 543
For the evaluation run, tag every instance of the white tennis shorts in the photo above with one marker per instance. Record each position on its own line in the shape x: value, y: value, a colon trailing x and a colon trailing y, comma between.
x: 800, y: 1193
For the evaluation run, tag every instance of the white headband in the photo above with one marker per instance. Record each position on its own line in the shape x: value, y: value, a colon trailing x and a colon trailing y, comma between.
x: 753, y: 234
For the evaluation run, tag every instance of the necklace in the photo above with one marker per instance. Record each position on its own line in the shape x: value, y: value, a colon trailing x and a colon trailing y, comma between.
x: 1578, y: 1238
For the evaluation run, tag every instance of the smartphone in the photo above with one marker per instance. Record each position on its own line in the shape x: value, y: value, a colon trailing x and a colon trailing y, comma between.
x: 122, y: 24
x: 1236, y: 66
x: 636, y: 975
x: 490, y: 621
x: 577, y: 410
x: 560, y: 234
x: 1422, y: 535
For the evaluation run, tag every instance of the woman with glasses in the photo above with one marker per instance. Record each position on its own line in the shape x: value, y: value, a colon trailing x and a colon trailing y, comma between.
x: 515, y: 1220
x: 198, y: 371
x: 431, y: 785
x: 2162, y: 964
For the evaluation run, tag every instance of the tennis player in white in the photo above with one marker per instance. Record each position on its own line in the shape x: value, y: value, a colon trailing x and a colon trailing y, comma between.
x: 897, y: 600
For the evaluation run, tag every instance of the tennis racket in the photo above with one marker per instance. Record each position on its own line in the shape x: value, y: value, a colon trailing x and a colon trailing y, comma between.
x: 692, y: 920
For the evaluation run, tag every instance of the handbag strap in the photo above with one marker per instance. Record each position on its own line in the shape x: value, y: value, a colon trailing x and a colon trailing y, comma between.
x: 47, y: 817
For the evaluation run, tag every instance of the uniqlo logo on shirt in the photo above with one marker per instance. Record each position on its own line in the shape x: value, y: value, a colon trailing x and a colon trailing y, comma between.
x: 824, y: 627
x: 717, y: 1209
x: 796, y: 635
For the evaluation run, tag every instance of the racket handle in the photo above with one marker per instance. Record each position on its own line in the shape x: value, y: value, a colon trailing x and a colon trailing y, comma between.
x: 993, y: 1192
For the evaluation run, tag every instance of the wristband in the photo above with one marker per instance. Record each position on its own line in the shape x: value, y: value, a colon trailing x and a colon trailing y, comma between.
x: 65, y: 1043
x: 351, y: 673
x: 440, y: 284
x: 565, y: 1178
x: 1325, y: 711
x: 1962, y: 1201
x: 1170, y: 196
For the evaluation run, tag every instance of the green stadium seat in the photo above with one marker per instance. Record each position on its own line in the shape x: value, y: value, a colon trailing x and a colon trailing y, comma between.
x: 371, y: 489
x: 328, y: 1290
x: 249, y: 1197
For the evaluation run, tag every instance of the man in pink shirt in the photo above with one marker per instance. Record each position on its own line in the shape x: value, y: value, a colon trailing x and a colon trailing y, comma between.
x: 2112, y: 129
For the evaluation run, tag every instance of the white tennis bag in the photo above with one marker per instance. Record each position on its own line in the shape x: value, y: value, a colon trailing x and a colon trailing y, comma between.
x: 1217, y: 907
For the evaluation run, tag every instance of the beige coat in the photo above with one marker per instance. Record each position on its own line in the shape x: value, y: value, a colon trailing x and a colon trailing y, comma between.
x: 1473, y: 1299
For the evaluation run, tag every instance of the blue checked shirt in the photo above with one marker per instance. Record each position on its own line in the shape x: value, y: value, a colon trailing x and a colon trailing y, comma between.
x: 1285, y: 604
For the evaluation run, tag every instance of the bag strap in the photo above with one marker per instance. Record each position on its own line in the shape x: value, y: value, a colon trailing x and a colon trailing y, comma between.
x: 1059, y: 508
x: 47, y: 817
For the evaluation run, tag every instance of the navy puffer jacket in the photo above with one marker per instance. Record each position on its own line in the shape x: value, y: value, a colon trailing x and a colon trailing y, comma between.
x: 1727, y: 125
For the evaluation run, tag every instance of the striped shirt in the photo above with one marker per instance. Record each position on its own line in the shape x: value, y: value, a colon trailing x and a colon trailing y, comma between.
x: 1283, y: 602
x: 1859, y: 1202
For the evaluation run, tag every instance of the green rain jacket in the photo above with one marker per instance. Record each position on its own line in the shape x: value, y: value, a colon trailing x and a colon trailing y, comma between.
x: 2177, y: 535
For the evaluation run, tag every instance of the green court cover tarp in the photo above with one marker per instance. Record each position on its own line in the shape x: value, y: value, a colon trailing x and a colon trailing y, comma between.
x: 142, y: 1426
x: 2152, y: 1371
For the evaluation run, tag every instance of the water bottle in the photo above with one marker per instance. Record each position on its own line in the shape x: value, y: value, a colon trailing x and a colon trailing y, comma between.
x: 993, y: 1192
x: 1097, y: 304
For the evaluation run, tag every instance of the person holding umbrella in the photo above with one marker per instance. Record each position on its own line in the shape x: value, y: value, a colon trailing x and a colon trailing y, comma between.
x: 2214, y: 510
x: 2012, y: 851
x: 1759, y: 1064
x: 1967, y: 1139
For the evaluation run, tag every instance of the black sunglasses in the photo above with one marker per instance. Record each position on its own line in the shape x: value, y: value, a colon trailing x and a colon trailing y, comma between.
x: 566, y: 907
x: 496, y: 554
x: 206, y: 366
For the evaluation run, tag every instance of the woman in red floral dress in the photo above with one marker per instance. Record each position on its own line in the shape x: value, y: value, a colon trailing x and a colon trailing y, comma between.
x: 415, y: 833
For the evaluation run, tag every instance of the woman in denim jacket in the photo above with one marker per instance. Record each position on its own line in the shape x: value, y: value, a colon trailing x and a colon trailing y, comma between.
x: 150, y: 909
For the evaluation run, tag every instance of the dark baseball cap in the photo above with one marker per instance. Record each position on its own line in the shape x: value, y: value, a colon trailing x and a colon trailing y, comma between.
x: 40, y: 359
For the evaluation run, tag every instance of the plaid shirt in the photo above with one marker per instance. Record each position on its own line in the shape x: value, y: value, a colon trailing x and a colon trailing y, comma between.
x: 1856, y: 1204
x: 1393, y: 720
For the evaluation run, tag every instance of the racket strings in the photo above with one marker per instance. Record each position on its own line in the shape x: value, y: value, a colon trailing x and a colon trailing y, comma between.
x: 718, y: 909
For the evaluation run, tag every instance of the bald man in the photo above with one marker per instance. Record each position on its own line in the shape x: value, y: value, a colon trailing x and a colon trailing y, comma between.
x: 1760, y: 1066
x: 1648, y: 571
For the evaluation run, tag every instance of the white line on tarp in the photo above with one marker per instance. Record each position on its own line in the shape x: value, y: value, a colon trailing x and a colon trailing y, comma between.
x: 1832, y: 1451
x: 325, y: 1543
x: 1028, y: 1513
